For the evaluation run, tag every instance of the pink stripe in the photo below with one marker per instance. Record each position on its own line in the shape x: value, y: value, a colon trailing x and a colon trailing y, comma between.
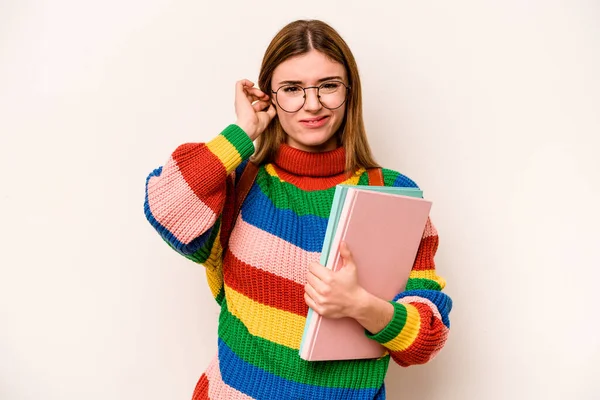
x: 422, y: 300
x: 270, y: 253
x: 176, y: 207
x: 219, y: 390
x: 430, y: 230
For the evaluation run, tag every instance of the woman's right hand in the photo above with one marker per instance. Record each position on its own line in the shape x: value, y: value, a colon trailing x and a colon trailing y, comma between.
x: 251, y: 110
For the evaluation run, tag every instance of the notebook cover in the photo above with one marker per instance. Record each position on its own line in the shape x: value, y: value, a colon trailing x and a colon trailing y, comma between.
x: 383, y: 231
x: 336, y: 209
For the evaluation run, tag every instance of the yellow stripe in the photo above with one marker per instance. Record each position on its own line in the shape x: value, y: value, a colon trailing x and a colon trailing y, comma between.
x: 269, y: 323
x: 214, y: 260
x: 214, y: 267
x: 409, y: 333
x: 271, y: 171
x: 225, y: 151
x: 428, y: 274
x: 353, y: 180
x: 215, y: 281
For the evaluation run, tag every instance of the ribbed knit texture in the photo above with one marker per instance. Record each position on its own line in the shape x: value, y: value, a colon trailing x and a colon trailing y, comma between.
x: 259, y: 281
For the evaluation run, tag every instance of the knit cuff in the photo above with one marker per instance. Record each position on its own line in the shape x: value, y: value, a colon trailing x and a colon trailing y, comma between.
x: 232, y: 147
x: 394, y: 327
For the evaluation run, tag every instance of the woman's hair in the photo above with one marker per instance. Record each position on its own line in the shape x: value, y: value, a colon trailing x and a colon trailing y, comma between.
x: 300, y: 37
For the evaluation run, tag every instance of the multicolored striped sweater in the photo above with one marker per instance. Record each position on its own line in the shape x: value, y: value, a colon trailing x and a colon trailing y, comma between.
x: 259, y: 281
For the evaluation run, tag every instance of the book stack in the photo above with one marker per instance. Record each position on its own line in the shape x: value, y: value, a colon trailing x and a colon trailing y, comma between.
x: 382, y: 227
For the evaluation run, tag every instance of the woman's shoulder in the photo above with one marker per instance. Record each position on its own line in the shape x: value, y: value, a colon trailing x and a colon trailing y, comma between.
x: 394, y: 178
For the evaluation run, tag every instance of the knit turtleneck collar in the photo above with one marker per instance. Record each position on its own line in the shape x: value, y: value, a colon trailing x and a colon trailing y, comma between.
x: 305, y: 163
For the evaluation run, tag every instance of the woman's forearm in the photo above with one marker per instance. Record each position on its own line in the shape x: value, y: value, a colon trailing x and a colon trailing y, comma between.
x: 372, y: 313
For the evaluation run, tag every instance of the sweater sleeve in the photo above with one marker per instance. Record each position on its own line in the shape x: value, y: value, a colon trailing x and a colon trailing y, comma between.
x: 420, y: 325
x: 185, y: 199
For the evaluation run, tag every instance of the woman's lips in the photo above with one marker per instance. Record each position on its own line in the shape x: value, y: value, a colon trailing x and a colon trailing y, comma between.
x: 316, y: 122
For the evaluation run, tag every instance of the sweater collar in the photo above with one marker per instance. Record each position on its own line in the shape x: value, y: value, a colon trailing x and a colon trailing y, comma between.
x: 305, y: 163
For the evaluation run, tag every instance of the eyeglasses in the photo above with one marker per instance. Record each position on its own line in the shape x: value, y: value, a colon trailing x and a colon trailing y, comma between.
x: 331, y: 94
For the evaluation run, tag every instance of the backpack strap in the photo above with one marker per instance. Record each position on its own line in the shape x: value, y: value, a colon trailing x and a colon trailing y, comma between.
x: 234, y: 202
x: 375, y: 177
x: 243, y: 187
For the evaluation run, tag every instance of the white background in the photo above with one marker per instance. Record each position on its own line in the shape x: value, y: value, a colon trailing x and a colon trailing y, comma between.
x: 492, y: 107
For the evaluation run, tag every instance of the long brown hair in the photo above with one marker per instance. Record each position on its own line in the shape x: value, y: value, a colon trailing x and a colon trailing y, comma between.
x: 300, y: 37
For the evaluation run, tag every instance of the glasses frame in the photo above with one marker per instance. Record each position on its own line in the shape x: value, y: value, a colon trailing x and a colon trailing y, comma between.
x: 318, y: 95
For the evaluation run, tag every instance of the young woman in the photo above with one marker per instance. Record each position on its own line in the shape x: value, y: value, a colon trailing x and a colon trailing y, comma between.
x: 262, y: 260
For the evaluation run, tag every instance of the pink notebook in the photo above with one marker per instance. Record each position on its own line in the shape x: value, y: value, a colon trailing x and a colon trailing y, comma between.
x: 383, y: 231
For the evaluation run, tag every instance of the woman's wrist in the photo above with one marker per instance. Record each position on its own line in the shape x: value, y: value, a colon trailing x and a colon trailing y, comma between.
x: 245, y: 128
x: 372, y: 312
x: 359, y: 308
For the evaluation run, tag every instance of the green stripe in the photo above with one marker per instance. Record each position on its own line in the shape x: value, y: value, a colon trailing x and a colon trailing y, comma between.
x: 389, y: 176
x: 286, y: 363
x: 364, y: 179
x: 394, y: 327
x: 286, y: 196
x: 220, y: 296
x: 240, y: 140
x: 422, y: 283
x: 202, y: 254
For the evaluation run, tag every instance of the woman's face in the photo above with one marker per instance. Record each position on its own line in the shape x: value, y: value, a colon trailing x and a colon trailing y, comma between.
x: 313, y: 127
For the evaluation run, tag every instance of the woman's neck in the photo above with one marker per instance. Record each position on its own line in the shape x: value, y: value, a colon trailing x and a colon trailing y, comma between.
x: 308, y: 163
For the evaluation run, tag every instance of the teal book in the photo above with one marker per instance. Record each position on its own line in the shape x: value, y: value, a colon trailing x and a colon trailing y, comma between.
x: 334, y: 216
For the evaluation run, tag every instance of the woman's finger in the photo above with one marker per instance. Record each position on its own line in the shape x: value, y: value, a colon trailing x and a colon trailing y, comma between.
x: 271, y: 111
x: 260, y: 105
x: 320, y: 271
x: 255, y: 96
x: 312, y: 295
x: 245, y: 83
x: 242, y: 86
x: 240, y: 93
x: 310, y: 302
x: 314, y: 282
x: 311, y: 292
x: 345, y: 253
x: 256, y: 92
x: 241, y: 89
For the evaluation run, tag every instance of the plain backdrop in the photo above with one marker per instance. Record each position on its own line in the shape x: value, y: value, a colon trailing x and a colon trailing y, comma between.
x: 492, y: 107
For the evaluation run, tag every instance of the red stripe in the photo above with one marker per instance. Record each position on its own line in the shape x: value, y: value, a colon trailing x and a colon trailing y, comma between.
x: 426, y: 254
x: 265, y: 287
x: 310, y: 183
x: 193, y: 160
x: 201, y: 390
x: 432, y: 336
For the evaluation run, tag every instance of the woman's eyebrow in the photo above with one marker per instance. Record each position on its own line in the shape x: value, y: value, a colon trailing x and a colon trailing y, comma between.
x: 329, y: 78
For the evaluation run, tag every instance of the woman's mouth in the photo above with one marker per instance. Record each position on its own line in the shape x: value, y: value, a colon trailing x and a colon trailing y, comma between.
x: 316, y: 122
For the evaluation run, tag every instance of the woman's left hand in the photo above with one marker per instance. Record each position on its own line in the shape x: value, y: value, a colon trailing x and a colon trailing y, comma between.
x: 334, y: 294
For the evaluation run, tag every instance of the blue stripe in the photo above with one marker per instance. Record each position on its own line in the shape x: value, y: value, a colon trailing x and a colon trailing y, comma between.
x: 184, y: 249
x: 442, y: 301
x: 306, y: 231
x: 404, y: 181
x: 260, y: 384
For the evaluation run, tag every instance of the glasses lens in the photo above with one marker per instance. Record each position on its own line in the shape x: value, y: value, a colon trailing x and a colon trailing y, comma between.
x: 290, y: 98
x: 332, y: 94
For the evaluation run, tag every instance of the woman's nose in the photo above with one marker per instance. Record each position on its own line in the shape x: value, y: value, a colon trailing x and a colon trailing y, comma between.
x: 312, y: 102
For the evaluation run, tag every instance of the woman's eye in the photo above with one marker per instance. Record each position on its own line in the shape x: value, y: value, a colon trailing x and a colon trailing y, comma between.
x: 330, y: 85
